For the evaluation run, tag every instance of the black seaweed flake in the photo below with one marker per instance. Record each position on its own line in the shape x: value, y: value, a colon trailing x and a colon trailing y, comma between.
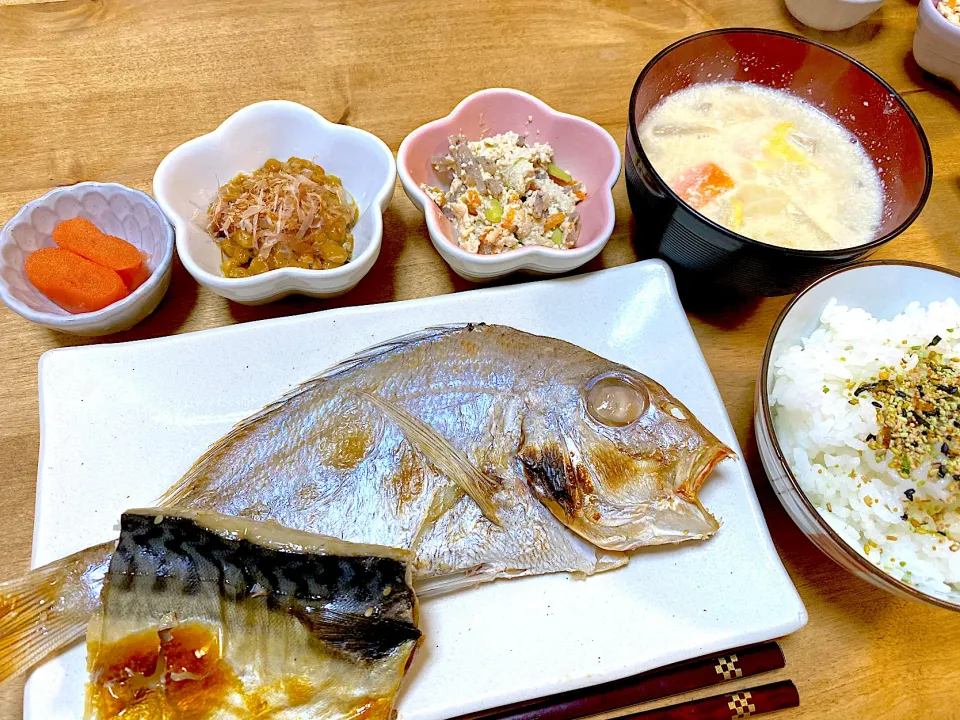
x: 909, y: 493
x: 935, y: 341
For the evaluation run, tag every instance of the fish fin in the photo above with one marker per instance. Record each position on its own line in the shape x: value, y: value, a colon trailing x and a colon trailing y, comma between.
x: 437, y: 585
x: 445, y: 457
x: 392, y: 345
x: 180, y: 491
x: 370, y: 638
x: 428, y: 586
x: 48, y: 608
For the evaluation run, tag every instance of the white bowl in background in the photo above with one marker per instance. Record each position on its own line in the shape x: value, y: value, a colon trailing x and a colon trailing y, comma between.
x: 188, y: 179
x: 832, y: 14
x: 936, y: 43
x: 116, y: 210
x: 883, y: 288
x: 581, y: 147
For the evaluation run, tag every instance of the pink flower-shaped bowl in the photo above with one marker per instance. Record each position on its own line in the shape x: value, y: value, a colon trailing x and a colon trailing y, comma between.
x: 582, y: 148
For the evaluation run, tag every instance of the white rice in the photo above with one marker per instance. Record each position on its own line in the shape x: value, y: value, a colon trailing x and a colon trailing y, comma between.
x: 824, y: 437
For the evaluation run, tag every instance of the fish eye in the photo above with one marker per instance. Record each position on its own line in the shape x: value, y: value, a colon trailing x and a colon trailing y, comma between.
x: 615, y: 400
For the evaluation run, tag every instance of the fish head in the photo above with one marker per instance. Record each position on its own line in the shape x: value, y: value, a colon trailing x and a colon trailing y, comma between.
x: 619, y: 460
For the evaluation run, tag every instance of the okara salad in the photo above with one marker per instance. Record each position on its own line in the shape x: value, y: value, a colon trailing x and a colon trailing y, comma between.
x: 868, y: 414
x: 286, y: 214
x: 505, y: 193
x: 950, y: 10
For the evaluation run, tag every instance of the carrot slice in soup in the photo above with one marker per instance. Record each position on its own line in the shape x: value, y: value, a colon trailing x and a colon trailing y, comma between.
x: 702, y: 183
x: 81, y: 236
x: 72, y: 282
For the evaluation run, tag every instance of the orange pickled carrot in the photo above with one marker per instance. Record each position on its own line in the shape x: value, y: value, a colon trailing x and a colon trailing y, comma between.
x: 139, y: 276
x: 702, y: 183
x: 81, y: 236
x: 73, y: 282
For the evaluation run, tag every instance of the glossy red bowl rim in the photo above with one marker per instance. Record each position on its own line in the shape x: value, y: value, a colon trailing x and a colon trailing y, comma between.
x: 767, y: 418
x: 857, y: 250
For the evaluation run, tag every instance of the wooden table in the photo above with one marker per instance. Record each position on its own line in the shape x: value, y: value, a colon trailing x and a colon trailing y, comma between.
x: 103, y: 89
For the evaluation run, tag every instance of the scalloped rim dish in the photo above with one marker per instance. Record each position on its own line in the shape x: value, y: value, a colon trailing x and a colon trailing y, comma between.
x: 540, y: 259
x: 936, y: 43
x: 274, y: 284
x: 99, y: 322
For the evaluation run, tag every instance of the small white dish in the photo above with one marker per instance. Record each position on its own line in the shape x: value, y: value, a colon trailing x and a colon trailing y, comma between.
x: 580, y: 146
x: 115, y: 440
x: 936, y: 43
x: 188, y: 179
x: 883, y: 288
x: 116, y: 210
x: 832, y: 14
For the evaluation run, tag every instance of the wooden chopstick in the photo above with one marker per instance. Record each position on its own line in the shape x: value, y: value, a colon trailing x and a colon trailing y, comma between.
x: 729, y: 706
x: 670, y: 680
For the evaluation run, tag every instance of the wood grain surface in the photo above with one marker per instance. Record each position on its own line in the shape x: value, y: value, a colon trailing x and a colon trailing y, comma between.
x: 103, y: 89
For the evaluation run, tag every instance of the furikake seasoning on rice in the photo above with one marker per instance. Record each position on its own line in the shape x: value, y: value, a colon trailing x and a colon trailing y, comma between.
x: 868, y: 414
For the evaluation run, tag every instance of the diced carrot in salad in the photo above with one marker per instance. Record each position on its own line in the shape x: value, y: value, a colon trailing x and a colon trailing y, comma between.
x: 702, y: 183
x: 473, y: 201
x: 554, y: 221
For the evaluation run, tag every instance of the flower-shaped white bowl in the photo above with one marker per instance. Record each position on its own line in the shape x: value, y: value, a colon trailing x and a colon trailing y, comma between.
x: 581, y: 147
x: 116, y: 210
x: 188, y: 179
x: 832, y: 14
x: 936, y: 43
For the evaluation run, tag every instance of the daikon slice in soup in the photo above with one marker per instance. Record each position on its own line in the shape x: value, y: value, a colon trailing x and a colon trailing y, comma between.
x: 765, y: 164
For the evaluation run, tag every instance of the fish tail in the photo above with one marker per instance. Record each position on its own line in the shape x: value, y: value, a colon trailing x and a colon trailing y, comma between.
x: 48, y: 608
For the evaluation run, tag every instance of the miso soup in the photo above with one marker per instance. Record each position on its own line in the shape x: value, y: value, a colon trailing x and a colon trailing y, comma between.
x: 765, y: 164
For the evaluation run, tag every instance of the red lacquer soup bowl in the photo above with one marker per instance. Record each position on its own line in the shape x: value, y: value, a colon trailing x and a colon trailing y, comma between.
x: 700, y: 249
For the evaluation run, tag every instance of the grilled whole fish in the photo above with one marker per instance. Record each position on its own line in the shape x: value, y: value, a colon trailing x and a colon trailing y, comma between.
x: 209, y: 616
x: 486, y: 451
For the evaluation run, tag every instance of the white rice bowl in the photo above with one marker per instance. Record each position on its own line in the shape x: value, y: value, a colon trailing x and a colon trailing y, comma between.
x: 823, y: 437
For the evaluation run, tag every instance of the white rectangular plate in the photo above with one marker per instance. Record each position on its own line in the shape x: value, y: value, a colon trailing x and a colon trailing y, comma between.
x: 120, y: 423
